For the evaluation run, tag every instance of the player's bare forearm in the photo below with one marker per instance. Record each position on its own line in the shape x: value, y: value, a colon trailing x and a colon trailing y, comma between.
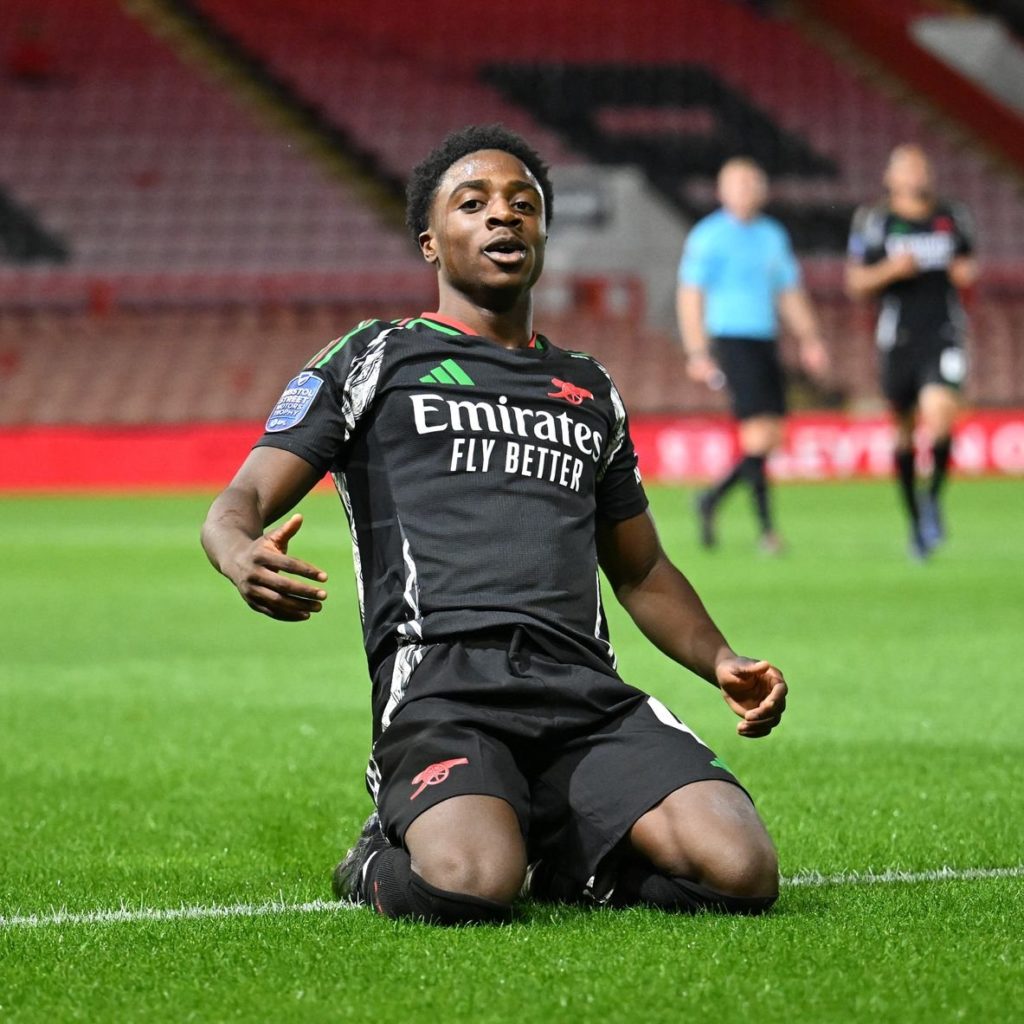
x: 659, y: 598
x: 234, y: 521
x: 661, y: 601
x: 669, y: 612
x: 863, y: 282
x: 963, y: 271
x: 269, y: 483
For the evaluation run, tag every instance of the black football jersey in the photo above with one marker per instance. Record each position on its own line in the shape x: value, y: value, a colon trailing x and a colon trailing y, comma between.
x: 926, y: 306
x: 472, y: 477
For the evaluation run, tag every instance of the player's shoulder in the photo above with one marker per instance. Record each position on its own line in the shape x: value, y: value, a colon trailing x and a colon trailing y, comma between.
x: 870, y: 220
x: 342, y: 350
x: 957, y: 211
x: 876, y: 210
x: 587, y: 370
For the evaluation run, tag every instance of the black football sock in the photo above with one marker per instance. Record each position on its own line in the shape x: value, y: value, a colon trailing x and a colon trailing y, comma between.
x: 756, y: 474
x: 639, y: 884
x: 940, y: 459
x: 716, y: 493
x: 395, y: 890
x: 904, y: 460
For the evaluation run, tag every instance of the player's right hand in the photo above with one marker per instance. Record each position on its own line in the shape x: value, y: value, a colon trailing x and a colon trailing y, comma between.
x: 257, y: 575
x: 903, y: 265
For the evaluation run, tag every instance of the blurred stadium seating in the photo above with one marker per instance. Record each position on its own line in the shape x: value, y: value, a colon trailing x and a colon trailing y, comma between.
x: 142, y: 164
x: 202, y: 236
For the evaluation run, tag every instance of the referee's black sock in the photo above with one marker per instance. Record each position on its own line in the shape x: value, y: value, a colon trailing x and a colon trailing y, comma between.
x: 940, y: 458
x: 395, y: 890
x: 640, y: 885
x: 756, y: 474
x: 904, y: 459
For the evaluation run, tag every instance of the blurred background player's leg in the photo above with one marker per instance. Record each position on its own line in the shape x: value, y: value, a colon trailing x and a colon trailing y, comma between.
x: 939, y: 406
x: 904, y: 459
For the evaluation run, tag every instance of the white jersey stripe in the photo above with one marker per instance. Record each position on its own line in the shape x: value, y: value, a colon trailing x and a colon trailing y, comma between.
x: 406, y: 660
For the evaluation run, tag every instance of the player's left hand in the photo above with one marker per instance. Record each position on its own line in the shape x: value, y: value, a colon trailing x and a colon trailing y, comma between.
x: 755, y: 690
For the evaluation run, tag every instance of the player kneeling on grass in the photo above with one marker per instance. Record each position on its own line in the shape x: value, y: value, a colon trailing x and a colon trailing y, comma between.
x: 486, y: 474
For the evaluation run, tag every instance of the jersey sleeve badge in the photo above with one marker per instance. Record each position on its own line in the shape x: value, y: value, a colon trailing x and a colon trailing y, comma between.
x: 294, y: 403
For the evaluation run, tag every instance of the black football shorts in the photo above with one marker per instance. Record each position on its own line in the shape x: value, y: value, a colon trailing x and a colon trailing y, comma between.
x: 914, y: 363
x: 579, y: 754
x: 753, y: 374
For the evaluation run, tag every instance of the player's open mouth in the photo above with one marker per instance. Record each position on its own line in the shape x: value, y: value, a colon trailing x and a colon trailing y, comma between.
x: 506, y: 252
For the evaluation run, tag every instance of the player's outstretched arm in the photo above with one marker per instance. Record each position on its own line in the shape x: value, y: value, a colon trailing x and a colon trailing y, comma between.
x: 270, y: 483
x: 666, y: 608
x: 865, y: 281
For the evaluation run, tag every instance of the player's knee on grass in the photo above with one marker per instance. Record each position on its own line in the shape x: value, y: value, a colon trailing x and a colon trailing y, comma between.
x: 710, y: 833
x: 747, y: 870
x: 396, y: 890
x: 471, y: 845
x: 487, y: 873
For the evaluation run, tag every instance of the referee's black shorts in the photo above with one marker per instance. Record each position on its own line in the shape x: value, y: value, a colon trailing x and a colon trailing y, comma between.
x: 753, y: 375
x: 579, y: 754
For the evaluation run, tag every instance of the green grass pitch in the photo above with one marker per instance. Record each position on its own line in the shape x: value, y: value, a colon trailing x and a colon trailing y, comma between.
x: 161, y: 747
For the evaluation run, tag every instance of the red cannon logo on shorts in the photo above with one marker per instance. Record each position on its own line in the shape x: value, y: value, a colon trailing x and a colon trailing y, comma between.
x: 435, y: 774
x: 570, y: 392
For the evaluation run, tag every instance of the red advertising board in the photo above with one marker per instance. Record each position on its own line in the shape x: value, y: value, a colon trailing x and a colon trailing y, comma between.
x: 822, y: 447
x: 671, y: 449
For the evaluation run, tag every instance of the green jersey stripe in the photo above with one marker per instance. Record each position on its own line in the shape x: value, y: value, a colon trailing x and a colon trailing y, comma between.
x: 434, y: 325
x: 456, y: 371
x: 442, y: 376
x: 323, y: 357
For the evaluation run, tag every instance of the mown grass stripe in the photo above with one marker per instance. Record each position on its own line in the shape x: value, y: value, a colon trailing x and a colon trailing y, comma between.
x: 129, y: 915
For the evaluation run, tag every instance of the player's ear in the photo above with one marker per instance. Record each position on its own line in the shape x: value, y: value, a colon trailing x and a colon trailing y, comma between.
x: 428, y: 246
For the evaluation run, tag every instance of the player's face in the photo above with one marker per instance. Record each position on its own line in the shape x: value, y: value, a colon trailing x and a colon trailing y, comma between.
x: 909, y: 175
x: 487, y: 226
x: 743, y: 190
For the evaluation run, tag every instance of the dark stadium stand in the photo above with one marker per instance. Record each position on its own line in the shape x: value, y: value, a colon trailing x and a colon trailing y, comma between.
x: 398, y: 80
x: 140, y: 163
x: 197, y: 236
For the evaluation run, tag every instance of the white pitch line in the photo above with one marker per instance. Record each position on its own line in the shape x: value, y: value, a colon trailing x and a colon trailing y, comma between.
x: 128, y: 915
x: 814, y: 878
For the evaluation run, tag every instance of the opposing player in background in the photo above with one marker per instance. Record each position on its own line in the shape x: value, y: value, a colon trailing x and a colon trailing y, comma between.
x: 913, y: 252
x: 486, y: 474
x: 737, y: 277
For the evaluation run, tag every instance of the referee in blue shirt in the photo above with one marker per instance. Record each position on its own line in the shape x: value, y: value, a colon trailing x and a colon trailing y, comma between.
x: 737, y: 278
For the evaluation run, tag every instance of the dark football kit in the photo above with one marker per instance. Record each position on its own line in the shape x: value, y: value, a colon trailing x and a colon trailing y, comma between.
x: 921, y: 323
x: 474, y: 478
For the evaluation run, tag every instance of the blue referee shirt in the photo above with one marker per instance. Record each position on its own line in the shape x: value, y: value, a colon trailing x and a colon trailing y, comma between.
x: 740, y: 266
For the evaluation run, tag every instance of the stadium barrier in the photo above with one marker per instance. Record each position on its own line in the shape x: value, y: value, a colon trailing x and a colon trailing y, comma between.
x: 671, y: 450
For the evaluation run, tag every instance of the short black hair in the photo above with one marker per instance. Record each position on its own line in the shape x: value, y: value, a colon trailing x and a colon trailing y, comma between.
x: 427, y: 174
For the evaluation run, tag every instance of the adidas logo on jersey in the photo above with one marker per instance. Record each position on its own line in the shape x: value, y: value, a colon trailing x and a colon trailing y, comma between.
x: 449, y: 372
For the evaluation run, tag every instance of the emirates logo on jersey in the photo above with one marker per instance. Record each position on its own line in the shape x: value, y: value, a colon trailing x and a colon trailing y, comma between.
x: 573, y: 394
x: 943, y: 223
